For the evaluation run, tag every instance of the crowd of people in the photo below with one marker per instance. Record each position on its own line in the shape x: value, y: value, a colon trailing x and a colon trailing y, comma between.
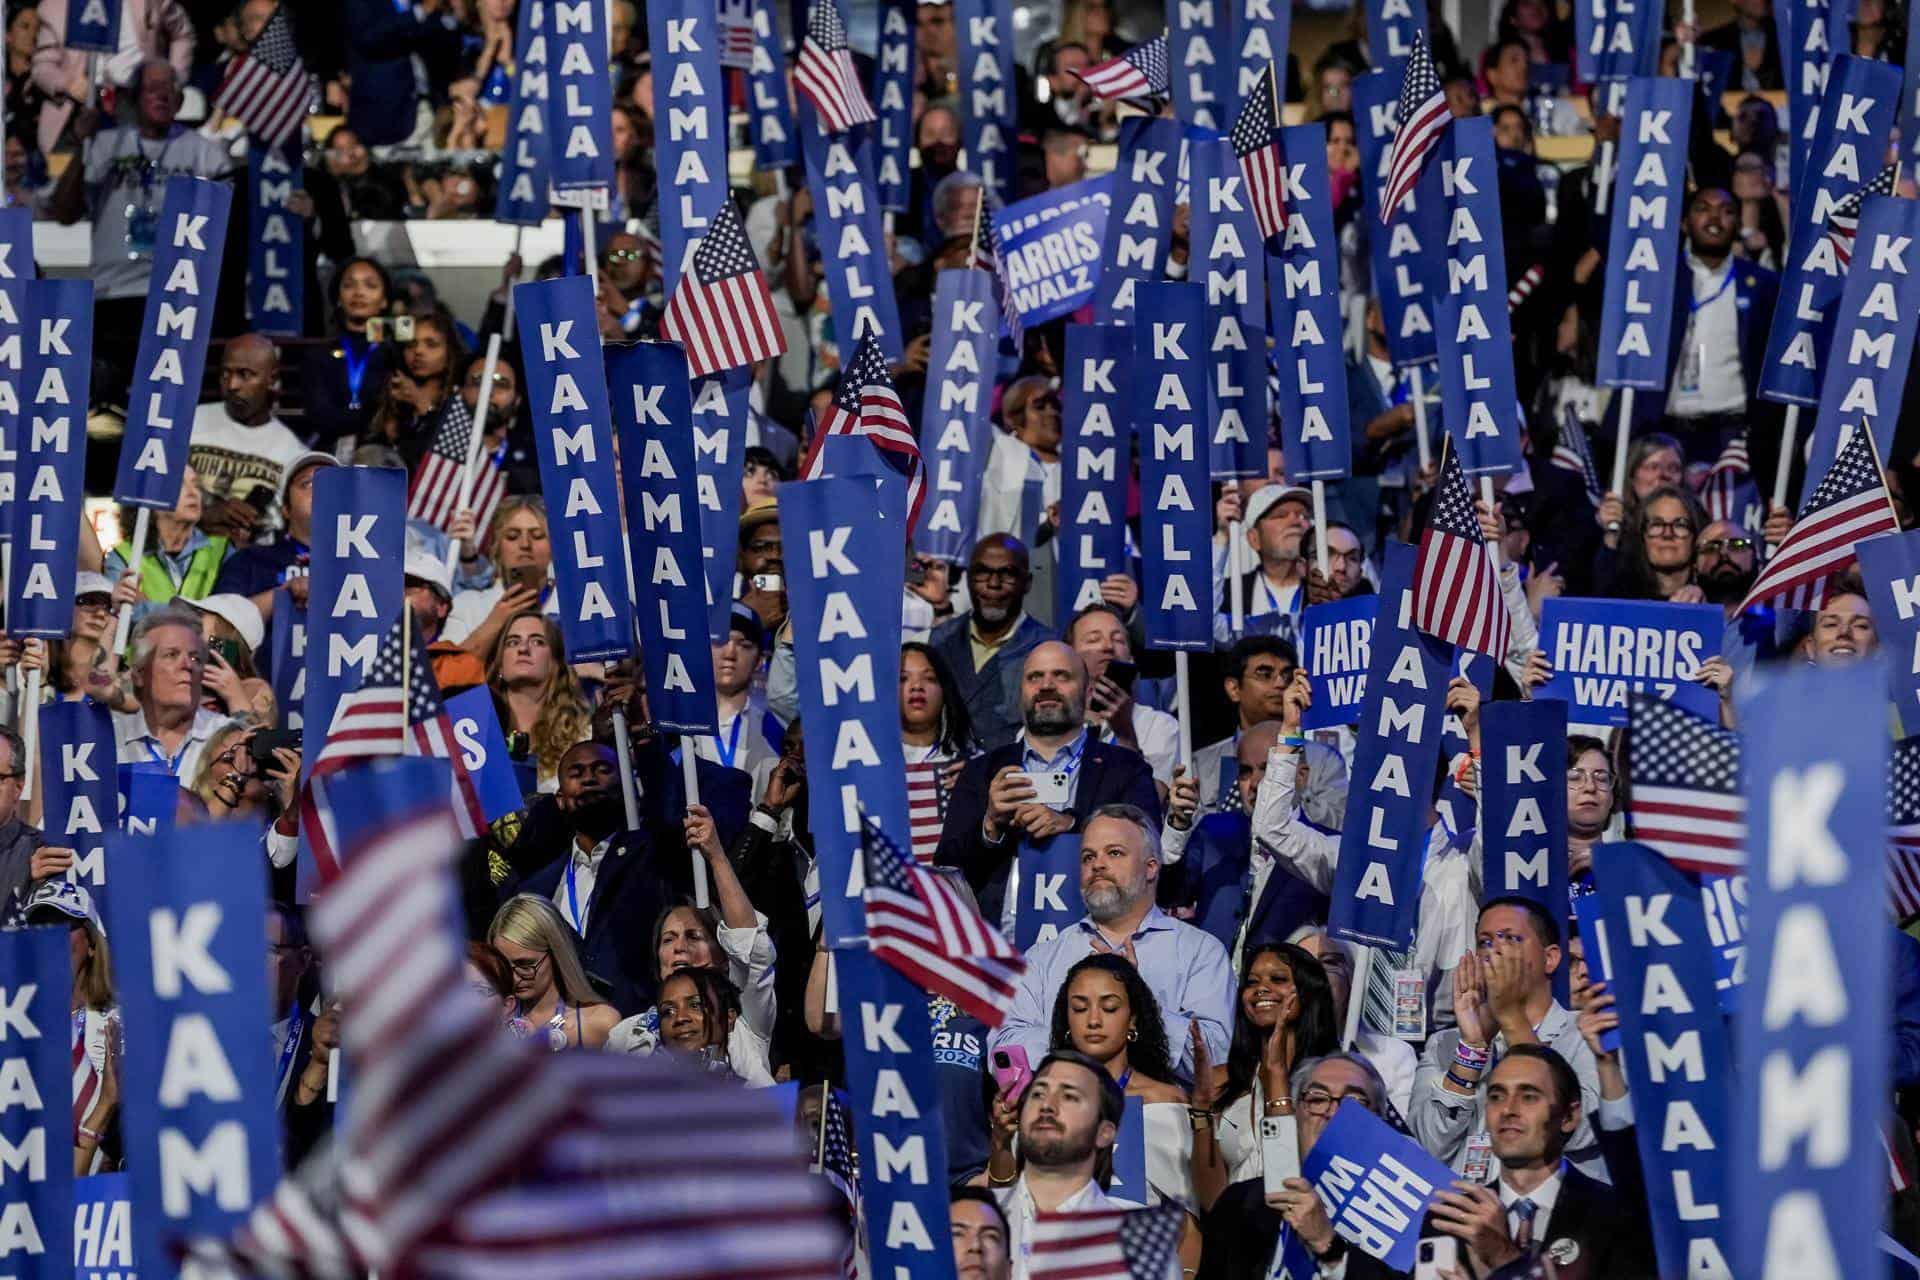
x: 1201, y: 979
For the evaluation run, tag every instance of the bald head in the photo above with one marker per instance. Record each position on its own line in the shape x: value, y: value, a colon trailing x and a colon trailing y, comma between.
x: 250, y: 379
x: 1053, y: 691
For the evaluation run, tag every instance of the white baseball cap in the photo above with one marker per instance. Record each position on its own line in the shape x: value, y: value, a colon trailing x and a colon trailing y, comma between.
x: 1269, y: 496
x: 430, y: 569
x: 238, y: 612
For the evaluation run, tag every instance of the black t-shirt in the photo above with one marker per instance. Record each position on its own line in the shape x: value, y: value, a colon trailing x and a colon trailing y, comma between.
x: 959, y: 1046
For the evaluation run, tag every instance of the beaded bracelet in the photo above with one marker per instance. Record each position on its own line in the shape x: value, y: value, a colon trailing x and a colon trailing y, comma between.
x: 92, y: 1134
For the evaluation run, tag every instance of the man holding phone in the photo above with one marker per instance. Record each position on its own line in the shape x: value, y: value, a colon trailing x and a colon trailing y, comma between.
x: 1099, y: 635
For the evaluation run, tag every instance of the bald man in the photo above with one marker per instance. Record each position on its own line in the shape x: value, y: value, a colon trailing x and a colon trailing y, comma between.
x: 1042, y: 785
x: 239, y: 447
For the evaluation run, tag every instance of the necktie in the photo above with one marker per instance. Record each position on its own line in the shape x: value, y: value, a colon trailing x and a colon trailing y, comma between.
x: 1523, y: 1210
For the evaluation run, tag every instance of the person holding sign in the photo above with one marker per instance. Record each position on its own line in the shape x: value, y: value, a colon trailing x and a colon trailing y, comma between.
x: 1278, y: 518
x: 168, y: 726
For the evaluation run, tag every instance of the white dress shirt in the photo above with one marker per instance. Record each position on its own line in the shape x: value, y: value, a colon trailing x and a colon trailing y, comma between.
x: 1544, y: 1197
x: 574, y: 894
x: 1710, y: 341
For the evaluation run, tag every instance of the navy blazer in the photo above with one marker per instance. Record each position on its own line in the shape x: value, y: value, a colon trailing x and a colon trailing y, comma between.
x: 1213, y: 879
x: 629, y: 893
x: 1109, y: 774
x: 992, y: 693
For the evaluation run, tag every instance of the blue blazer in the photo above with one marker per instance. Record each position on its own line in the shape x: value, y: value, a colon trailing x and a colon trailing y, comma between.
x: 992, y: 694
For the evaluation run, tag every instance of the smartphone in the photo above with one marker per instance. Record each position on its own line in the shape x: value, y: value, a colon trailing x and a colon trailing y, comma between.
x: 403, y: 328
x: 267, y: 741
x: 1010, y: 1071
x: 1123, y: 674
x: 530, y: 576
x: 765, y: 581
x: 377, y: 329
x: 259, y: 498
x: 1435, y: 1256
x: 1279, y: 1150
x: 1052, y: 789
x: 229, y: 651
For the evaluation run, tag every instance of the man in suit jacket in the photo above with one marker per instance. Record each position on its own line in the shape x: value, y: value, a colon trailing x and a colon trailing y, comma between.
x: 984, y: 647
x: 995, y: 804
x: 383, y: 94
x: 1541, y: 1206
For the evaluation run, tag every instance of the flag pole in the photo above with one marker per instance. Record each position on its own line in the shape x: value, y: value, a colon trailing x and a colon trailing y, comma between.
x: 690, y: 773
x: 1183, y: 699
x: 30, y: 734
x: 1687, y: 19
x: 1357, y: 997
x: 1236, y: 590
x: 406, y: 668
x: 820, y: 1139
x: 1493, y: 546
x: 142, y: 522
x: 1783, y: 470
x: 506, y: 325
x: 1420, y: 417
x: 1320, y: 526
x: 1873, y: 447
x: 1622, y: 432
x: 479, y: 430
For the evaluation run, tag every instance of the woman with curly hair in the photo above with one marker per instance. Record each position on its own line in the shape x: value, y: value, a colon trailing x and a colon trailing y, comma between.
x: 528, y: 672
x: 1284, y: 1015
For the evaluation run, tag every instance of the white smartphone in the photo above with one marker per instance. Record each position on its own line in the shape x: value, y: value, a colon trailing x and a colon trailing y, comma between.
x: 766, y: 582
x: 1279, y: 1150
x: 1436, y: 1254
x: 1052, y: 789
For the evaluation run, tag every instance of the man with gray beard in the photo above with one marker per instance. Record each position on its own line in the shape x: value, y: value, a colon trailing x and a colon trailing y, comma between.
x: 1185, y: 968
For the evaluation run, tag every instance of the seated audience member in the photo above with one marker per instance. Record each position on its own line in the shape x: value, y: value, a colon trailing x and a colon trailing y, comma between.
x: 554, y: 1004
x: 168, y: 725
x: 985, y: 646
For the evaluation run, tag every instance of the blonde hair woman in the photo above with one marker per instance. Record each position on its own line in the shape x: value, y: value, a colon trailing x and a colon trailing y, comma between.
x: 96, y: 1020
x: 519, y: 545
x: 552, y: 996
x: 528, y: 669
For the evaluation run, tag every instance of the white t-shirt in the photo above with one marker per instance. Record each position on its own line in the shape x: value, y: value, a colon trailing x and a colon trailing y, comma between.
x: 234, y: 460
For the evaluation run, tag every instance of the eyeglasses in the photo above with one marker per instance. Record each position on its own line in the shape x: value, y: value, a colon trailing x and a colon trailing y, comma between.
x: 526, y: 968
x: 625, y: 255
x: 1045, y: 400
x: 1727, y: 546
x: 1671, y: 528
x: 1006, y: 573
x: 1321, y: 1102
x: 765, y: 546
x: 1600, y: 778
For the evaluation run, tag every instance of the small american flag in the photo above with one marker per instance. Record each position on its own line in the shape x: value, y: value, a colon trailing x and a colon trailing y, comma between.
x: 1903, y: 830
x: 836, y: 1157
x: 1255, y: 138
x: 1843, y: 224
x: 921, y: 925
x: 1422, y: 117
x: 736, y: 34
x: 268, y: 88
x: 1456, y: 588
x: 1140, y: 72
x: 1849, y: 505
x: 1105, y: 1244
x: 824, y: 71
x: 926, y: 806
x: 721, y: 311
x: 435, y: 495
x: 1574, y: 452
x: 1688, y: 801
x: 985, y: 255
x: 867, y: 404
x: 1730, y: 476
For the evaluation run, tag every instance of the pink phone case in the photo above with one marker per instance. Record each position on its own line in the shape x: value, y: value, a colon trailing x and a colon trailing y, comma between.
x: 1012, y: 1078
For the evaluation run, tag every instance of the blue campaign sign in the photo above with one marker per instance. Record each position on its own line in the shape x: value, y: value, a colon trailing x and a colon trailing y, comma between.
x: 956, y: 431
x: 16, y: 268
x: 653, y: 412
x: 289, y: 649
x: 483, y: 749
x: 49, y: 481
x: 1376, y: 891
x: 1866, y: 367
x: 526, y: 162
x: 173, y: 342
x: 892, y: 94
x: 567, y: 391
x: 1376, y: 1183
x: 1593, y: 934
x: 357, y: 589
x: 1523, y: 803
x: 36, y: 1120
x: 80, y: 804
x: 720, y: 448
x: 689, y: 126
x: 1890, y: 567
x: 843, y: 588
x: 1049, y: 889
x: 149, y: 799
x: 103, y: 1228
x: 1678, y: 1052
x: 1237, y: 398
x: 769, y: 106
x: 93, y: 25
x: 1391, y: 27
x: 1051, y: 245
x: 1603, y: 651
x: 847, y: 226
x: 1224, y: 235
x: 1810, y: 1174
x: 1262, y: 30
x: 1910, y: 98
x: 894, y: 1088
x: 1475, y: 340
x: 580, y: 105
x: 1855, y: 116
x: 1408, y: 274
x: 988, y: 100
x: 1806, y: 55
x: 1616, y: 39
x: 1129, y: 1181
x: 1725, y: 900
x: 1303, y: 288
x: 1176, y: 509
x: 1094, y: 462
x: 1200, y: 62
x: 276, y: 242
x: 1643, y: 243
x: 1336, y: 641
x: 1139, y: 230
x: 201, y: 1138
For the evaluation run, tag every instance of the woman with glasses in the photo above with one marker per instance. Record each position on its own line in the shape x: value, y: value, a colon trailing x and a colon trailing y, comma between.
x: 1592, y: 800
x: 1283, y: 1016
x: 1655, y: 461
x: 553, y: 1001
x: 1656, y: 548
x: 529, y: 675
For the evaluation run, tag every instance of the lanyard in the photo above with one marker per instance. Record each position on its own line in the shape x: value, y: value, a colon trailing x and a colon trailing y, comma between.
x: 573, y: 902
x: 733, y: 741
x: 356, y: 369
x: 1693, y: 307
x: 1125, y: 1076
x: 173, y: 764
x: 1070, y: 757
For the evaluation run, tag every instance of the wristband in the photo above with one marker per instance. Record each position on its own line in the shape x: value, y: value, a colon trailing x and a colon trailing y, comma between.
x: 1470, y: 1086
x: 93, y: 1135
x: 1469, y: 1056
x: 1294, y: 740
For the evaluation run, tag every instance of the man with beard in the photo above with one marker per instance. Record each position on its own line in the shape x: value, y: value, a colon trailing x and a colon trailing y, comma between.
x: 996, y: 807
x: 1069, y: 1114
x: 985, y: 647
x: 605, y: 884
x: 1185, y: 968
x: 1725, y: 563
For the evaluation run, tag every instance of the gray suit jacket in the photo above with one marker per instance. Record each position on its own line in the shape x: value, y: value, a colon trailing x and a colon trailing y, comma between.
x: 17, y: 843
